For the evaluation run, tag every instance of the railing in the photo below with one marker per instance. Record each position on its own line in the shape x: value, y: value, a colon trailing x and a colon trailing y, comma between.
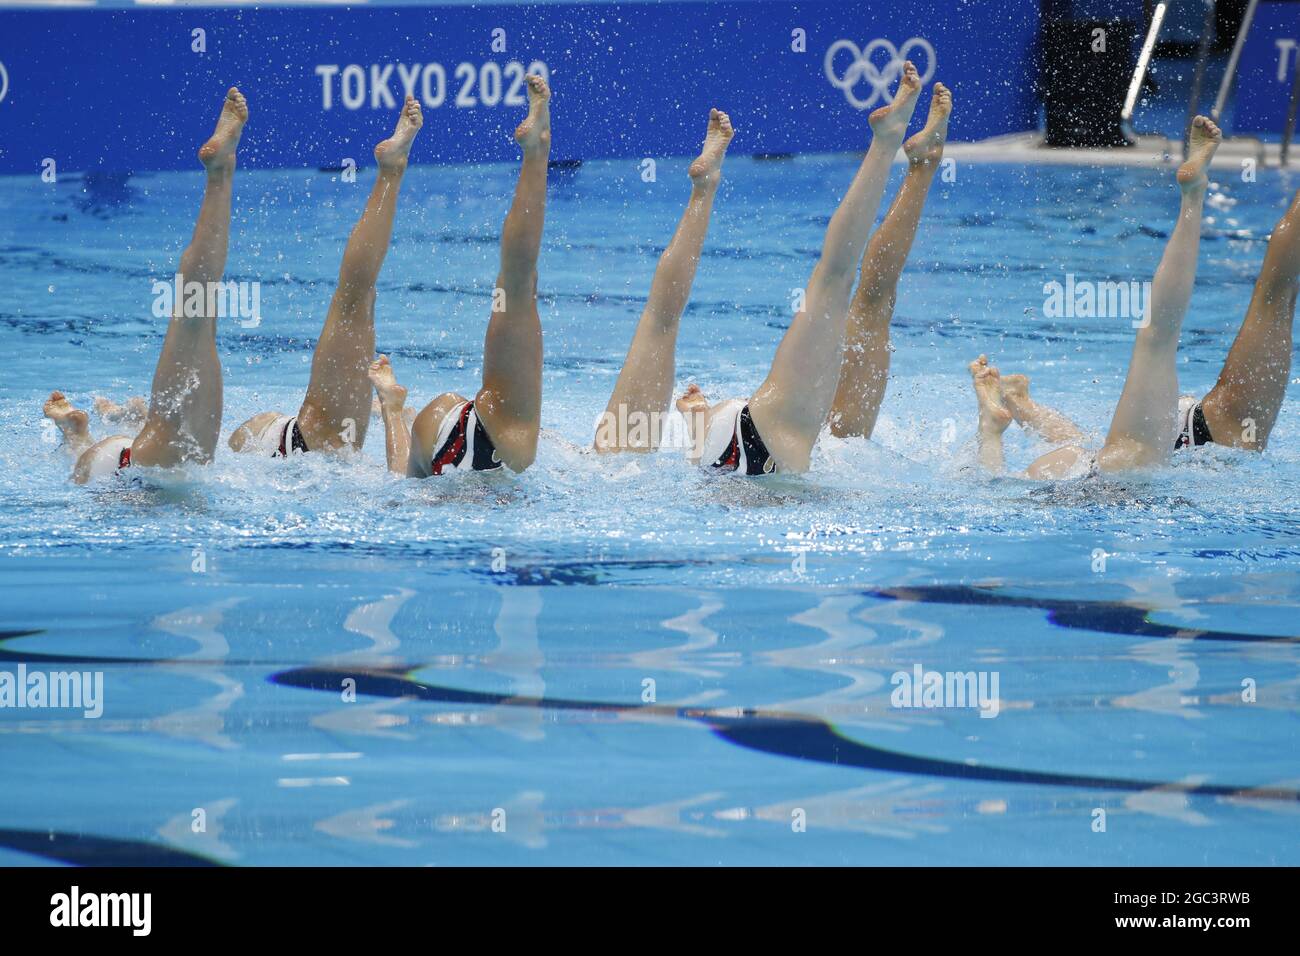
x: 1139, y: 74
x: 1230, y: 74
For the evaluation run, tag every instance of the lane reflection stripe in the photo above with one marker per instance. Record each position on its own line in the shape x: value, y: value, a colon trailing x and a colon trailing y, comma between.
x: 785, y: 735
x: 84, y: 849
x: 1107, y: 617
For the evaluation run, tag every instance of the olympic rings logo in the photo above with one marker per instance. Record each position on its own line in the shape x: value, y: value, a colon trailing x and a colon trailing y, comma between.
x: 4, y: 82
x: 879, y: 79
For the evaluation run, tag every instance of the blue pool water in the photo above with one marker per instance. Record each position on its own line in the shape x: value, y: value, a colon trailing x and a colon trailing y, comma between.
x: 621, y: 660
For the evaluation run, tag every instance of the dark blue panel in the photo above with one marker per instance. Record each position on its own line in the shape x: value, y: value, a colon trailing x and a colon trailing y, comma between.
x: 1267, y: 69
x: 123, y: 89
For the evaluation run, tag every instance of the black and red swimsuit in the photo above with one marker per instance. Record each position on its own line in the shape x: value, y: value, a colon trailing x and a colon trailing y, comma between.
x: 467, y: 447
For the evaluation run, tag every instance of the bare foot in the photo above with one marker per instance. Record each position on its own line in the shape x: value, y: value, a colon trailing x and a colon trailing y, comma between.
x: 134, y: 411
x: 391, y: 154
x: 1015, y: 395
x: 73, y: 422
x: 1205, y: 139
x: 695, y: 409
x: 692, y: 400
x: 707, y: 168
x: 994, y: 417
x: 218, y: 153
x: 892, y: 120
x: 535, y: 130
x: 391, y: 395
x: 926, y: 147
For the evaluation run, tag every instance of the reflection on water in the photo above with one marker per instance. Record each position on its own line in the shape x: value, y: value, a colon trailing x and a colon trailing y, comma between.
x: 396, y: 774
x: 1173, y: 699
x: 519, y: 657
x: 373, y: 621
x: 206, y: 721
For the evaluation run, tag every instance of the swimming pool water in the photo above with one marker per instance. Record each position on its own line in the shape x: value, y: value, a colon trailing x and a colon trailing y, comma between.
x: 622, y: 660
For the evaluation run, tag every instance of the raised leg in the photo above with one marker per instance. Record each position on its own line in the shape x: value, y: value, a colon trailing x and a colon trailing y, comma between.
x: 184, y: 417
x: 865, y: 371
x: 640, y: 398
x: 1242, y: 408
x: 510, y: 402
x: 791, y: 405
x: 1143, y: 430
x: 392, y: 408
x: 336, y: 410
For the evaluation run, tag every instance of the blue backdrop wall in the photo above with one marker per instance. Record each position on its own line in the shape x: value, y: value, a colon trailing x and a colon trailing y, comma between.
x: 130, y: 90
x: 1268, y: 65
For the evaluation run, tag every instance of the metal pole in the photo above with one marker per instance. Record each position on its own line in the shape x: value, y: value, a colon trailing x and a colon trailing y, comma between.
x: 1289, y: 132
x: 1230, y: 75
x: 1144, y: 58
x: 1202, y: 54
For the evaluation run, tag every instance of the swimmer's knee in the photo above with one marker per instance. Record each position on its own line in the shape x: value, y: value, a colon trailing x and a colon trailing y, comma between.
x: 1067, y: 462
x: 516, y: 447
x: 1127, y: 454
x: 874, y: 293
x: 517, y: 283
x: 514, y: 433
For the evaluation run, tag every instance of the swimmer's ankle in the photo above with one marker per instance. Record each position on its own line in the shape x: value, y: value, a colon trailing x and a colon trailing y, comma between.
x: 705, y: 185
x: 539, y: 146
x: 1020, y: 408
